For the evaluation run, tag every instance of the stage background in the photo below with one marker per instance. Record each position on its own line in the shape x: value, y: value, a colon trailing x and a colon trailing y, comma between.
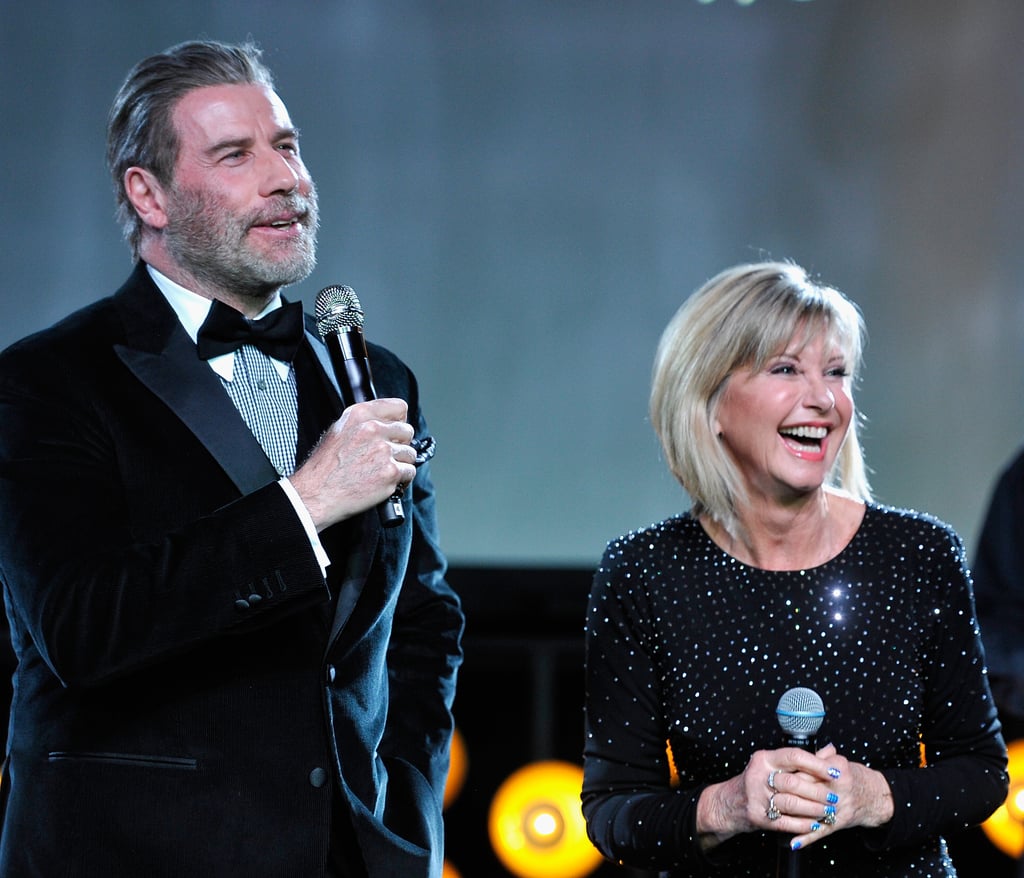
x: 522, y: 192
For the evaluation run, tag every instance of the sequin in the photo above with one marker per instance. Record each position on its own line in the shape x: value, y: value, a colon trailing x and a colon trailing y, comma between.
x: 688, y: 645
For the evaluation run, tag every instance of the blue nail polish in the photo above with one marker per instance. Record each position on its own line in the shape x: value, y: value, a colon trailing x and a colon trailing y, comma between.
x: 815, y: 827
x: 834, y: 773
x: 832, y: 798
x: 795, y: 846
x: 830, y: 809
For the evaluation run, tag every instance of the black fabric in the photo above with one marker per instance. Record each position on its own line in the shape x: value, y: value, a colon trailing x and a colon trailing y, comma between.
x: 225, y: 330
x: 319, y: 402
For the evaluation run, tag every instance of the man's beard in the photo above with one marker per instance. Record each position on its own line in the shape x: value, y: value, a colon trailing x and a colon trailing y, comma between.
x: 210, y: 242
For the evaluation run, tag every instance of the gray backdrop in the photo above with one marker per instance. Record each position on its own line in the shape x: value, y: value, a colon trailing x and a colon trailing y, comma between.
x: 523, y: 191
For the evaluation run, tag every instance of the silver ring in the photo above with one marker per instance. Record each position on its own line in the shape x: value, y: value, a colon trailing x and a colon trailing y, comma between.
x: 772, y: 813
x: 829, y: 818
x: 771, y: 780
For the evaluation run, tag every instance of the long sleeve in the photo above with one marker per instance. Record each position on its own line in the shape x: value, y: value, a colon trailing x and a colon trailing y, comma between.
x: 965, y: 778
x: 633, y: 814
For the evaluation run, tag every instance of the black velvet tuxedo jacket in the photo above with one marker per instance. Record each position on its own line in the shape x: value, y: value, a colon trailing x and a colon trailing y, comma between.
x: 192, y: 698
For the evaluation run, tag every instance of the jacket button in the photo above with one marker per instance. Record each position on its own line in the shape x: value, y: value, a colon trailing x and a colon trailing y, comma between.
x: 255, y: 598
x: 318, y: 777
x: 242, y: 604
x: 331, y: 673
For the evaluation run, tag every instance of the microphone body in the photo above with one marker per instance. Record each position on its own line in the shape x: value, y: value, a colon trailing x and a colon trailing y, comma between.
x: 339, y: 320
x: 800, y: 713
x: 351, y: 366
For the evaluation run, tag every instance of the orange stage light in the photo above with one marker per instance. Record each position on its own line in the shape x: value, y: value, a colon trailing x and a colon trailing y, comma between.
x: 457, y: 768
x: 1005, y: 828
x: 536, y: 825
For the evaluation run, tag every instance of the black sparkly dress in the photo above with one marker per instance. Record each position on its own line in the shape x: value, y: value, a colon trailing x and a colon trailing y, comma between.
x: 688, y: 645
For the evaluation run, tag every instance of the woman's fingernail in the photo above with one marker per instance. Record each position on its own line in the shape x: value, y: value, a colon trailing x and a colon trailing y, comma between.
x: 832, y: 798
x: 794, y: 845
x: 834, y: 773
x: 815, y: 826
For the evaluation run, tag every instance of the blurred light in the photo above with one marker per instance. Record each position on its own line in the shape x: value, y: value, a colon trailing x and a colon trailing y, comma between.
x: 673, y: 771
x: 1015, y: 803
x: 1005, y: 828
x: 449, y: 871
x: 536, y: 825
x: 457, y: 766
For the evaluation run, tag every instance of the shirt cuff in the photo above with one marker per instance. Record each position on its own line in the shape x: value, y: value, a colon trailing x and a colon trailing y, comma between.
x: 307, y: 523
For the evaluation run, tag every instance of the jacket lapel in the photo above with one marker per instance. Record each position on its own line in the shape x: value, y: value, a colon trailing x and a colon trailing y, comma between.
x: 160, y: 354
x: 322, y: 354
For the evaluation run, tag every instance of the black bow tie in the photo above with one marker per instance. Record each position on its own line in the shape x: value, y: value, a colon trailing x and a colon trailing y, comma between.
x: 225, y: 330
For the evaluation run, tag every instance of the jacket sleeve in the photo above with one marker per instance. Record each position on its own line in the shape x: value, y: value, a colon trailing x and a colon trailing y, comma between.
x: 97, y: 595
x: 424, y: 651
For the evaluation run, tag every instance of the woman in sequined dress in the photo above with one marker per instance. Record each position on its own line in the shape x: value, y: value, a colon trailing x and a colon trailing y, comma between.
x: 784, y: 573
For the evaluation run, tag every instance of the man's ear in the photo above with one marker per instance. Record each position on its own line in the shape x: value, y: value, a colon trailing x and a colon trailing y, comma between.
x: 147, y: 196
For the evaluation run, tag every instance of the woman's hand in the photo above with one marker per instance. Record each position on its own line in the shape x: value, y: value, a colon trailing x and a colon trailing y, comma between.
x: 861, y: 798
x: 807, y: 795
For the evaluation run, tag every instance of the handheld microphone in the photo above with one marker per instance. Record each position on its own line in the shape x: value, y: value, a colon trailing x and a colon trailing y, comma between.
x: 339, y: 320
x: 800, y: 714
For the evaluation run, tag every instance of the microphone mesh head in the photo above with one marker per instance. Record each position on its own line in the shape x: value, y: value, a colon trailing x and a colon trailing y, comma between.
x: 337, y: 308
x: 800, y: 712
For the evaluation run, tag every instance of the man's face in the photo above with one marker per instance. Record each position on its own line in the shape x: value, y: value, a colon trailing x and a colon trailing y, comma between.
x: 242, y: 209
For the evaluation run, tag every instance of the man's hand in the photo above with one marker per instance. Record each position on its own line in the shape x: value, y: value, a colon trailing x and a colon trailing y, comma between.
x: 358, y: 463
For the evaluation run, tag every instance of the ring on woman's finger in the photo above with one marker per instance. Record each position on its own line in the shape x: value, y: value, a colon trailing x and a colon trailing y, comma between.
x: 771, y: 779
x: 772, y: 813
x: 829, y: 818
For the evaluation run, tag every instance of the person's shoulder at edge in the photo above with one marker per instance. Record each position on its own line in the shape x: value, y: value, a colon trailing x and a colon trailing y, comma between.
x: 912, y: 522
x: 73, y: 328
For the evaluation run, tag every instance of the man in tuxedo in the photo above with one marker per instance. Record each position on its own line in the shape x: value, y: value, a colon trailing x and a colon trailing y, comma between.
x: 226, y: 665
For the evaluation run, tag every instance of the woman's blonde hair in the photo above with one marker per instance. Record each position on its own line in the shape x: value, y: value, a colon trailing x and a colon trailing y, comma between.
x: 740, y: 319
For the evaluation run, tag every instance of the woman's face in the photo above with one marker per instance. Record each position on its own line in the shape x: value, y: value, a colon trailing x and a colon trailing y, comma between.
x: 784, y: 424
